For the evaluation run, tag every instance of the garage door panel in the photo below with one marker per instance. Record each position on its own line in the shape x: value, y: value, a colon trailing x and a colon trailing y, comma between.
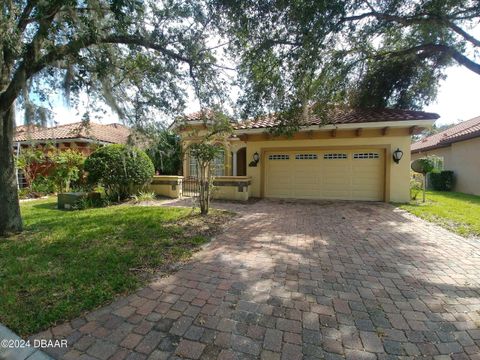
x: 336, y: 174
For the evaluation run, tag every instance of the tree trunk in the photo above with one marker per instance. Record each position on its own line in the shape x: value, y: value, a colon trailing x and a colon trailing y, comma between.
x: 10, y: 219
x: 424, y: 186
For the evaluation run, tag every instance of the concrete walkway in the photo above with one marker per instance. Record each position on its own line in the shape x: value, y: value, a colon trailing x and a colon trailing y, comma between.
x: 291, y: 280
x: 12, y: 347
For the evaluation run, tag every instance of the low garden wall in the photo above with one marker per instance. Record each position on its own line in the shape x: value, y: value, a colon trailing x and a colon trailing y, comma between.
x: 226, y: 187
x: 232, y: 187
x: 166, y: 185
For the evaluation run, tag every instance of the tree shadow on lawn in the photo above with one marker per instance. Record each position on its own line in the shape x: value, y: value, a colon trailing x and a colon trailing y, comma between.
x: 68, y: 262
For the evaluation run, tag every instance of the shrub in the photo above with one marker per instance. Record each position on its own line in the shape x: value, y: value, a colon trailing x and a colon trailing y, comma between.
x: 119, y: 169
x: 442, y: 181
x: 415, y: 188
x: 68, y: 165
x: 166, y: 153
x: 31, y: 161
x: 144, y: 196
x: 42, y: 185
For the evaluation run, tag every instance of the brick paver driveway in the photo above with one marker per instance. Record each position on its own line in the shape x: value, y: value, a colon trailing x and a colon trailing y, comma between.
x: 293, y: 279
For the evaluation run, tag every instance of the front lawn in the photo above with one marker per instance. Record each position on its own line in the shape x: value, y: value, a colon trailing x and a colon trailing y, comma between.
x: 457, y: 212
x: 66, y: 263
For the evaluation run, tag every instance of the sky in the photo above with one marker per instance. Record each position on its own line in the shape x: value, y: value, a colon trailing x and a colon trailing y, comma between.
x: 458, y: 97
x: 458, y: 100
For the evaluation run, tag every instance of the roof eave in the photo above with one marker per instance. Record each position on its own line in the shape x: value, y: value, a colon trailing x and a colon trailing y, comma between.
x: 60, y: 140
x: 366, y: 125
x: 428, y: 148
x: 447, y: 143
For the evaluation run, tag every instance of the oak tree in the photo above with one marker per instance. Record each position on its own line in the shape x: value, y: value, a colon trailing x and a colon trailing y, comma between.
x: 134, y: 55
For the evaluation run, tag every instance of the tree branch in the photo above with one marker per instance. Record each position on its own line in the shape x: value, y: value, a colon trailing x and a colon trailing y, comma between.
x: 464, y: 34
x: 430, y: 49
x: 24, y: 20
x: 416, y: 20
x: 29, y: 67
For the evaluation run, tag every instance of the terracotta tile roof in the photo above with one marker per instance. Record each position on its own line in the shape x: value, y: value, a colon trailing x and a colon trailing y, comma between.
x: 347, y: 116
x: 336, y: 116
x: 463, y: 131
x: 111, y: 133
x: 199, y: 116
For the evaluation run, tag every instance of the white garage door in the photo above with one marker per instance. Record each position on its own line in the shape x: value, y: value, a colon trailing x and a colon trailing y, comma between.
x: 327, y: 174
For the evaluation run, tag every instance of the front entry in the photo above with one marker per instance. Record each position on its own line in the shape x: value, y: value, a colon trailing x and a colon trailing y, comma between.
x: 357, y: 174
x: 239, y: 162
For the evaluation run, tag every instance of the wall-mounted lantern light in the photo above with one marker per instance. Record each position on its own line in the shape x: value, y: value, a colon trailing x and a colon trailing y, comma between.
x: 256, y: 159
x: 397, y: 155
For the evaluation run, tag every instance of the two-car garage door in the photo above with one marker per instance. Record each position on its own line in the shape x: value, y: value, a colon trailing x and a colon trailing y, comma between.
x: 326, y: 174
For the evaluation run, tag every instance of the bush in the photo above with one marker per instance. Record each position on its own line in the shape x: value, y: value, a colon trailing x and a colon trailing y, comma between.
x: 415, y: 188
x: 68, y: 165
x: 144, y: 196
x: 442, y: 181
x: 119, y: 169
x: 166, y: 153
x: 42, y: 185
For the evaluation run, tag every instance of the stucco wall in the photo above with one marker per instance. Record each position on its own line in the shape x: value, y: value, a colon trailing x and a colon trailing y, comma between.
x: 166, y: 185
x: 397, y: 175
x: 463, y: 158
x: 442, y: 152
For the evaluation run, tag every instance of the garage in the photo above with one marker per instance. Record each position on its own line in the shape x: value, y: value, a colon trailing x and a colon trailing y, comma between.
x: 344, y: 174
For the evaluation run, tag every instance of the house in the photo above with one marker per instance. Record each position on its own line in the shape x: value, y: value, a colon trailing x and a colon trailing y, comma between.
x: 83, y: 137
x: 79, y: 136
x: 459, y: 148
x: 350, y: 156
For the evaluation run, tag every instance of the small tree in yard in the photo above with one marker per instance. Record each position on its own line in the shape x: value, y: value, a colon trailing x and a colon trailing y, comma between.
x: 68, y: 165
x: 423, y: 166
x: 119, y: 168
x: 205, y: 152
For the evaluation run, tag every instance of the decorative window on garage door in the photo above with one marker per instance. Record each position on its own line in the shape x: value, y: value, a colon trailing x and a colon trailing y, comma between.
x: 278, y: 157
x: 334, y: 156
x: 368, y: 155
x: 306, y: 157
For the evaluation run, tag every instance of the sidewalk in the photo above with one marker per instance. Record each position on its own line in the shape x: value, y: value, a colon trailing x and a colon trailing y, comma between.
x: 17, y: 353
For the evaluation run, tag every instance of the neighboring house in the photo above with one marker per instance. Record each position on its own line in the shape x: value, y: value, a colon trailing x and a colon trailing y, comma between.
x: 83, y: 137
x: 79, y: 136
x: 350, y: 158
x: 459, y: 148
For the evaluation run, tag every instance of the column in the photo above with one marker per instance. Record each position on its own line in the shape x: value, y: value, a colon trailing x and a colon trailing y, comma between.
x: 234, y: 162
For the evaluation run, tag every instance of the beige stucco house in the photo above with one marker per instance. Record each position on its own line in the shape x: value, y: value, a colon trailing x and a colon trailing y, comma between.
x: 459, y: 147
x: 348, y: 157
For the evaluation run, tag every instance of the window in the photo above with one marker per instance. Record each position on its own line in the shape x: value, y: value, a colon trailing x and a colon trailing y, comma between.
x: 219, y: 164
x: 366, y: 156
x: 278, y: 157
x: 306, y: 157
x: 193, y: 167
x: 334, y: 156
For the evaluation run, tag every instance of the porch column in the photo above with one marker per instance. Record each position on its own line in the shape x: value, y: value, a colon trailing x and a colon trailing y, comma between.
x: 234, y: 163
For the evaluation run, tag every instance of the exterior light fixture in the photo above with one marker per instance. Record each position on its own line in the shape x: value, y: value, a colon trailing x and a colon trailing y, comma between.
x: 256, y: 159
x: 397, y: 155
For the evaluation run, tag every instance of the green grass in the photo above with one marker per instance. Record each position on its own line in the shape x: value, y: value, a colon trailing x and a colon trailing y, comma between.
x: 68, y: 262
x: 457, y: 212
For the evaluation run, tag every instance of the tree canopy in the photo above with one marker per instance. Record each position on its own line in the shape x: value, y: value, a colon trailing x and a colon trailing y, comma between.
x: 134, y: 55
x: 378, y: 53
x: 291, y: 57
